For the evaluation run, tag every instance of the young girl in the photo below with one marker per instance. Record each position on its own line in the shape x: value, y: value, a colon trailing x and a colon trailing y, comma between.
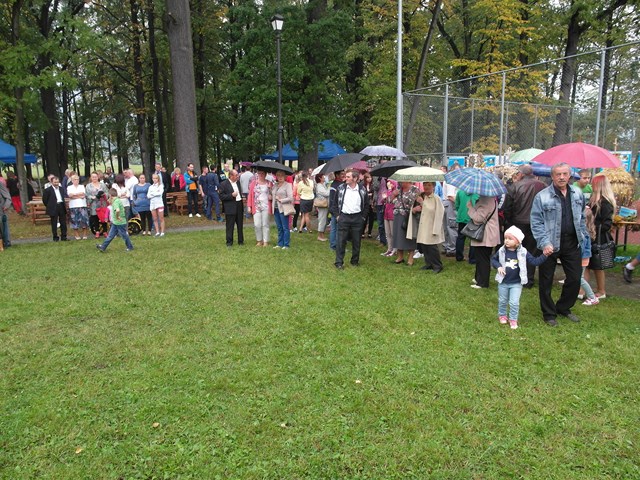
x: 157, y: 207
x: 511, y: 261
x: 586, y: 255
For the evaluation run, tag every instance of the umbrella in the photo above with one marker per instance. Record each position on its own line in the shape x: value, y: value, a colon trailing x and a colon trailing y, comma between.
x: 382, y: 151
x: 418, y: 174
x: 525, y: 155
x: 271, y: 166
x: 340, y: 162
x: 579, y: 155
x: 389, y: 168
x: 361, y: 166
x: 474, y: 180
x: 246, y: 164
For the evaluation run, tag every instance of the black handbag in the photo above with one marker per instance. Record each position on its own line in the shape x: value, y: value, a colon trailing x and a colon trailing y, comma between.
x: 474, y: 230
x: 602, y: 254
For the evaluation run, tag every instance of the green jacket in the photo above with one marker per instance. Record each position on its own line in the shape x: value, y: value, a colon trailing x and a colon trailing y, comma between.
x: 462, y: 198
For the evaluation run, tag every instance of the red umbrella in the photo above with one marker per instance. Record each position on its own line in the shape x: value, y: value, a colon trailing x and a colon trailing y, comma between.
x: 361, y: 166
x: 579, y: 155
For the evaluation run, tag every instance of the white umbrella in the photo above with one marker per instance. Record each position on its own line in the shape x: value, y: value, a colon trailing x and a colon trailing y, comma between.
x: 382, y: 151
x: 418, y: 174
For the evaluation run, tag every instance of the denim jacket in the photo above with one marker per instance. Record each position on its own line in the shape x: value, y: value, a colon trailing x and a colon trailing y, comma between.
x: 546, y: 215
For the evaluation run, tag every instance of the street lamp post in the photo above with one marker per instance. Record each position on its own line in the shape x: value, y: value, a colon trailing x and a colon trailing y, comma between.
x: 277, y: 22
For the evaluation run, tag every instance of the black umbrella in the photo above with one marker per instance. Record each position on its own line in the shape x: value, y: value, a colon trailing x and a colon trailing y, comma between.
x: 271, y: 166
x: 389, y: 168
x: 341, y: 162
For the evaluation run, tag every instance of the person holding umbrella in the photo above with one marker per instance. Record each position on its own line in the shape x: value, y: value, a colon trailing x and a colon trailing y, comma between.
x: 430, y: 228
x: 282, y: 205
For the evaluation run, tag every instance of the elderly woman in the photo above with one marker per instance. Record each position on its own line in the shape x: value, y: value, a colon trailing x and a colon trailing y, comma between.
x: 484, y: 211
x: 97, y: 196
x: 429, y: 212
x: 282, y: 205
x: 404, y: 199
x: 142, y: 204
x: 603, y: 206
x: 178, y: 183
x: 259, y: 204
x: 321, y: 202
x: 78, y: 214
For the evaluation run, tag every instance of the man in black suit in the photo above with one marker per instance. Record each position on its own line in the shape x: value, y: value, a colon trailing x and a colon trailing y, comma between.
x: 53, y: 199
x: 231, y: 196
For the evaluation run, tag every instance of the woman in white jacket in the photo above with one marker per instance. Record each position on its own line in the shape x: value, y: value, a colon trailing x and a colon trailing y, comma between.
x: 157, y: 207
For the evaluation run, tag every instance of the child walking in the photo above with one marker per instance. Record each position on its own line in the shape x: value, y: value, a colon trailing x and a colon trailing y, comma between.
x: 511, y: 261
x: 118, y: 223
x: 591, y: 299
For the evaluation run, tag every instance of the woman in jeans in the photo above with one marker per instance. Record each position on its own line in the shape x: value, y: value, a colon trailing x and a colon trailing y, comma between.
x: 282, y: 204
x: 142, y: 204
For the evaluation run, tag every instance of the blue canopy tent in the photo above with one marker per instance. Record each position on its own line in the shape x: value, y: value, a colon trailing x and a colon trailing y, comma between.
x: 327, y: 149
x: 8, y: 154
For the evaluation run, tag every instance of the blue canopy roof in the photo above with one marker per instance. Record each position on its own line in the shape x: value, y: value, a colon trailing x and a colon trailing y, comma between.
x: 327, y: 149
x: 8, y: 154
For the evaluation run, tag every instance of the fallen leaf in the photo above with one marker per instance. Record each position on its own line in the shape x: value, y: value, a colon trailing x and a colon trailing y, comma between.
x: 155, y: 425
x: 358, y: 381
x: 79, y: 450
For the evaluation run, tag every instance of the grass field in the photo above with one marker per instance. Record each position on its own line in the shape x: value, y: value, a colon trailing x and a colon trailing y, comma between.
x: 185, y: 359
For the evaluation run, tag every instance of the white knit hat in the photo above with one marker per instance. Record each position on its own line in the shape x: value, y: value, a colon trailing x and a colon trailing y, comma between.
x: 516, y: 232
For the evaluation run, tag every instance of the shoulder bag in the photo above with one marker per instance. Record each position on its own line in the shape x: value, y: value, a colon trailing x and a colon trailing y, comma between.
x: 474, y: 230
x: 602, y: 254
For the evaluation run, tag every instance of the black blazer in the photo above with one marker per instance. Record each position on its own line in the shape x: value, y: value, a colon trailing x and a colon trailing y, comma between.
x: 230, y: 203
x: 51, y: 202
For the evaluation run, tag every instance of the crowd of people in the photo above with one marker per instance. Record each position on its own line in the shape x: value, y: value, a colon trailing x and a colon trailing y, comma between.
x: 534, y: 225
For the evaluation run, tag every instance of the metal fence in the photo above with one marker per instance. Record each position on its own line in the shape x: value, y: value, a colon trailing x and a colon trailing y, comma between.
x: 498, y: 113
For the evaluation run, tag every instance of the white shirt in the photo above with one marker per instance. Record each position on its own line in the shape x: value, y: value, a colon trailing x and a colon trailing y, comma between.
x: 352, y: 201
x: 245, y: 180
x: 130, y: 183
x: 121, y: 191
x: 235, y: 189
x: 449, y: 190
x: 76, y: 202
x: 58, y: 195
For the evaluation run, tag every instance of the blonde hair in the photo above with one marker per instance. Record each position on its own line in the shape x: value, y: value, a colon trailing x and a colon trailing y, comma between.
x: 601, y: 189
x: 589, y: 221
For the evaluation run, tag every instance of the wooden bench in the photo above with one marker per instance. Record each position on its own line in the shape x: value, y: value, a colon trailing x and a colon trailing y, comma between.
x: 180, y: 202
x: 37, y: 211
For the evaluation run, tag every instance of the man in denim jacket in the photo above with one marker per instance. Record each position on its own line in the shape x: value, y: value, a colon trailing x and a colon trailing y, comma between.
x: 558, y: 225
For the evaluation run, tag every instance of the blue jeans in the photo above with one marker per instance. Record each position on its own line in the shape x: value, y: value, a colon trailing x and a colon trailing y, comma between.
x: 117, y: 230
x: 282, y: 222
x: 381, y: 232
x: 212, y: 199
x: 509, y: 293
x: 333, y: 233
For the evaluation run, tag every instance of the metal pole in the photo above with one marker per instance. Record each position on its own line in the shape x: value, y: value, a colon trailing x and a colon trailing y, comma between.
x: 399, y: 81
x: 535, y: 127
x: 602, y: 56
x: 445, y: 126
x: 504, y: 81
x: 279, y: 82
x: 473, y: 114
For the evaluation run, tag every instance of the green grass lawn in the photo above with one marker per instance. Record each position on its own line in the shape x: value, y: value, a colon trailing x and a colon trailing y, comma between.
x: 185, y: 359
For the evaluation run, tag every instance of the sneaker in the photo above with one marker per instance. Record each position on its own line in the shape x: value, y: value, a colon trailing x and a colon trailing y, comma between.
x: 277, y: 247
x: 502, y: 319
x: 285, y: 248
x: 473, y: 280
x: 98, y: 235
x: 573, y: 317
x: 129, y: 249
x: 198, y: 215
x: 561, y: 282
x: 475, y: 286
x: 418, y: 255
x: 157, y: 234
x: 191, y: 215
x: 99, y: 247
x: 84, y: 238
x: 513, y: 324
x: 601, y: 297
x: 580, y: 297
x: 552, y: 322
x: 295, y: 229
x: 162, y: 234
x: 385, y: 254
x: 591, y: 301
x: 627, y: 273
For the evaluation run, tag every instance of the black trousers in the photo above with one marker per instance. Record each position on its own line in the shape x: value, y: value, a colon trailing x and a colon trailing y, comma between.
x: 146, y: 220
x: 349, y: 225
x: 192, y: 201
x: 59, y: 217
x: 570, y: 256
x: 529, y: 242
x: 230, y: 222
x: 483, y: 266
x: 460, y: 246
x: 431, y: 256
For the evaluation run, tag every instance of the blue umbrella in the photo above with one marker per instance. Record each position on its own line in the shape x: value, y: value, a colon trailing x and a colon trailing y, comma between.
x: 474, y: 180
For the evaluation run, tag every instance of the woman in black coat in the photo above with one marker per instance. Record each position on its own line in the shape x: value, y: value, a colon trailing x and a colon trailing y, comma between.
x: 603, y: 206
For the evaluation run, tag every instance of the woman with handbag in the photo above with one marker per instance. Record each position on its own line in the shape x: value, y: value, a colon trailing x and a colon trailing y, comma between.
x: 485, y: 211
x: 282, y: 205
x: 403, y: 203
x: 603, y: 206
x: 321, y: 202
x: 259, y: 204
x: 367, y: 183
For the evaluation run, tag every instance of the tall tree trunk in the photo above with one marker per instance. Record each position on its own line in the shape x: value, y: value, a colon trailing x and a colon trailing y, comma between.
x: 184, y: 92
x: 200, y: 85
x: 574, y: 32
x: 420, y: 76
x: 141, y: 109
x: 155, y: 78
x: 19, y: 112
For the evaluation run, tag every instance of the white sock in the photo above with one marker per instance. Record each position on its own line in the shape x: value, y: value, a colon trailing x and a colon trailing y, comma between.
x: 629, y: 266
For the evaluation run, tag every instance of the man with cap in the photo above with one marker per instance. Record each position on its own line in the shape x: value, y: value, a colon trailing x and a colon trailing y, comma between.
x: 517, y: 210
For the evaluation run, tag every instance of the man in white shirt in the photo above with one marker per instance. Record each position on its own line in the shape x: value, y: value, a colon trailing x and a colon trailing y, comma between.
x: 350, y: 211
x: 53, y: 199
x: 130, y: 181
x: 245, y: 179
x: 231, y: 196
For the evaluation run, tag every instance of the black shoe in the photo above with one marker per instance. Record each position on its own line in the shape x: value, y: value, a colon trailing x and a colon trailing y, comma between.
x: 626, y: 274
x: 56, y: 239
x: 355, y: 264
x: 99, y: 247
x: 450, y: 254
x: 426, y: 267
x: 64, y: 239
x: 573, y: 317
x: 552, y: 322
x: 339, y: 266
x: 438, y: 270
